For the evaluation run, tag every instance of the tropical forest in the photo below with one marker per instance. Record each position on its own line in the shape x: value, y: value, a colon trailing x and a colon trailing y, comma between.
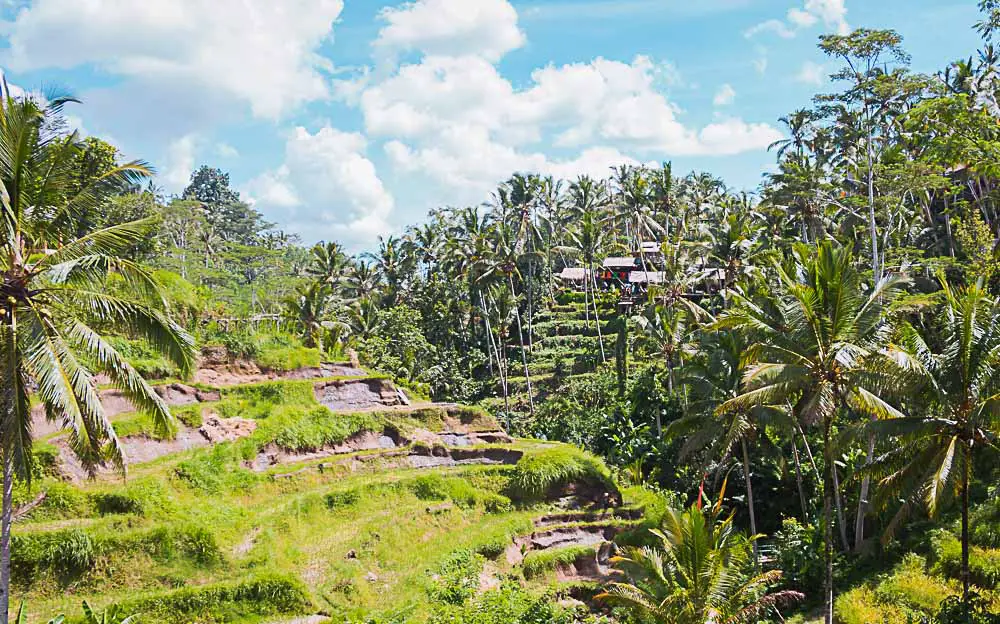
x: 643, y: 398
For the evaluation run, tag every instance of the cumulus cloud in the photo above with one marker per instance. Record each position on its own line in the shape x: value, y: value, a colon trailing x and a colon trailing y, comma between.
x: 832, y: 13
x: 326, y: 188
x: 179, y: 163
x: 811, y: 73
x: 487, y: 28
x: 458, y: 121
x: 724, y: 96
x: 258, y: 52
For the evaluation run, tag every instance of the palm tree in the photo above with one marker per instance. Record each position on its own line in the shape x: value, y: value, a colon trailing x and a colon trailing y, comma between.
x: 309, y: 310
x: 55, y: 310
x: 714, y: 379
x: 817, y: 340
x: 329, y: 263
x: 589, y: 200
x: 700, y: 572
x: 669, y: 333
x: 957, y: 375
x: 500, y: 267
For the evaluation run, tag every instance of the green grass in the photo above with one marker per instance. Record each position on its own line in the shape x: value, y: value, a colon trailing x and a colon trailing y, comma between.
x: 262, y: 595
x: 540, y: 472
x: 538, y: 563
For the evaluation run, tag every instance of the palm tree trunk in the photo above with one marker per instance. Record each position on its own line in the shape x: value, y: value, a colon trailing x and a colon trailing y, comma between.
x: 500, y: 368
x: 750, y: 505
x: 965, y: 527
x: 798, y: 481
x: 828, y: 487
x: 531, y: 303
x: 524, y: 354
x: 841, y: 522
x: 859, y: 522
x: 8, y: 510
x: 597, y: 319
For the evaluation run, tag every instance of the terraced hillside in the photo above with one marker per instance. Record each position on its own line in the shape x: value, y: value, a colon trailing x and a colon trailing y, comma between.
x: 317, y: 493
x: 565, y: 344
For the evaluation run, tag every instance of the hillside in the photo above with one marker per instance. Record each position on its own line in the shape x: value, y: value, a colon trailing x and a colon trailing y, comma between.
x: 316, y: 492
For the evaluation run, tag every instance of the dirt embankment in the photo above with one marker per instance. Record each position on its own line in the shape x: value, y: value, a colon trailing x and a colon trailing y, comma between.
x: 354, y: 395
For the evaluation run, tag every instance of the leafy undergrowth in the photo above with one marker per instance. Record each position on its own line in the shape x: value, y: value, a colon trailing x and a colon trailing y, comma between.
x: 197, y: 536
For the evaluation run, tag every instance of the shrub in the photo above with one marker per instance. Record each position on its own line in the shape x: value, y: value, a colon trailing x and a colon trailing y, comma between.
x: 799, y: 554
x: 343, y: 499
x: 984, y: 564
x: 538, y: 473
x: 458, y: 577
x: 860, y: 606
x: 910, y: 585
x: 224, y: 602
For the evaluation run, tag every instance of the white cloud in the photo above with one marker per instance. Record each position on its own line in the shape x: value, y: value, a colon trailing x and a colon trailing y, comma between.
x: 487, y: 28
x: 260, y: 52
x: 180, y: 163
x: 811, y: 73
x: 775, y: 26
x: 724, y: 96
x: 327, y: 188
x: 832, y: 13
x: 225, y: 150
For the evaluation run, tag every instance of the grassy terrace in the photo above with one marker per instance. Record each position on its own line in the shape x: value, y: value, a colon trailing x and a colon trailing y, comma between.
x: 196, y: 536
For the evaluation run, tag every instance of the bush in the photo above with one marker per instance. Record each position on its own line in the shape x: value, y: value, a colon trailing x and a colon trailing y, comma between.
x: 910, y: 585
x: 458, y: 577
x: 343, y: 499
x: 799, y: 554
x: 224, y: 602
x: 538, y: 473
x: 861, y: 606
x: 984, y: 564
x: 537, y: 563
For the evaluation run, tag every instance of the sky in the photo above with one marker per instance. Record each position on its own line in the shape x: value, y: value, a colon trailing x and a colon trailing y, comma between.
x: 348, y: 120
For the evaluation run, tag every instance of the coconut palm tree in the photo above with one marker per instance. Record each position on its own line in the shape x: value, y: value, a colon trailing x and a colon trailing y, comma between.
x: 818, y: 338
x: 714, y: 379
x: 309, y: 312
x: 55, y: 309
x: 957, y: 375
x: 699, y: 572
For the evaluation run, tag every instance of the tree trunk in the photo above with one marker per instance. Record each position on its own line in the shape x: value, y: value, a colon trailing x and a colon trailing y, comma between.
x: 524, y: 354
x: 8, y: 495
x: 859, y: 522
x: 750, y: 505
x: 841, y: 522
x: 828, y: 488
x: 597, y: 320
x: 965, y: 527
x: 798, y: 480
x: 531, y: 303
x: 500, y: 367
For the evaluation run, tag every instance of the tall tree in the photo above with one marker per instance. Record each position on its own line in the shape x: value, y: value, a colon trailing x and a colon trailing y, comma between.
x: 817, y: 338
x: 55, y: 310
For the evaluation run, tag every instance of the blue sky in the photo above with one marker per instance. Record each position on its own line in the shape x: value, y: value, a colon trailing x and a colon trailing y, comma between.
x: 349, y: 119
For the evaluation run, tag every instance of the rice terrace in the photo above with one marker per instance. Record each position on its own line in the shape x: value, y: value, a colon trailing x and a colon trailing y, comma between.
x: 500, y: 312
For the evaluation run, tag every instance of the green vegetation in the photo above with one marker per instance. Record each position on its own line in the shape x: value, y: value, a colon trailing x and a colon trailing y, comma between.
x: 823, y: 356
